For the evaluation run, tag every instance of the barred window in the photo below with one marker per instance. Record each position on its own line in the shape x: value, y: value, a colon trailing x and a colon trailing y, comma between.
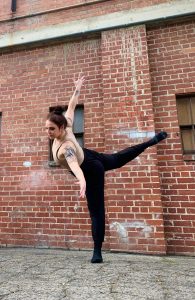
x: 186, y: 118
x: 78, y: 129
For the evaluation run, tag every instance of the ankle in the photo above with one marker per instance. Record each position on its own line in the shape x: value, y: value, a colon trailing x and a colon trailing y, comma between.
x: 157, y: 138
x: 97, y: 255
x: 97, y: 246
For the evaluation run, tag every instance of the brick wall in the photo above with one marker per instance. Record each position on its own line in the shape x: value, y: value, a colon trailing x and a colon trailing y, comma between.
x: 40, y: 206
x: 34, y: 14
x: 133, y: 193
x: 87, y: 7
x: 133, y: 75
x: 172, y: 66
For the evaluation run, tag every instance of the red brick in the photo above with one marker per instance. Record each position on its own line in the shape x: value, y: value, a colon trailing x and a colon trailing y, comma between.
x: 160, y: 181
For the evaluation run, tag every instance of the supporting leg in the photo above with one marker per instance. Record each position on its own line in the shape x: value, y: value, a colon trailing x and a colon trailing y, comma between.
x: 94, y: 174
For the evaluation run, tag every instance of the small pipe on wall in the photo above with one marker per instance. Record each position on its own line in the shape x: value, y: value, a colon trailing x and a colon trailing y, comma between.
x: 13, y: 6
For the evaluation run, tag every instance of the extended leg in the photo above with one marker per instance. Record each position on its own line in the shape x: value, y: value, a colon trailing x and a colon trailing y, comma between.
x: 119, y: 159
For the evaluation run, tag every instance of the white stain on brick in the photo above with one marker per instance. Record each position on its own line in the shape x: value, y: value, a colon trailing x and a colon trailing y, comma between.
x: 157, y: 216
x: 35, y: 179
x: 136, y: 134
x: 22, y: 149
x: 131, y: 51
x: 77, y: 206
x: 75, y: 49
x: 27, y: 164
x: 122, y: 229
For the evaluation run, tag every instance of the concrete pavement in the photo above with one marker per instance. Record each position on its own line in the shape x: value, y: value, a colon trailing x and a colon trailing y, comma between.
x: 45, y: 274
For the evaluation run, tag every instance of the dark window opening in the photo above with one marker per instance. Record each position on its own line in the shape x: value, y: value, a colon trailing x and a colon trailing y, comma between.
x: 13, y: 6
x: 186, y: 118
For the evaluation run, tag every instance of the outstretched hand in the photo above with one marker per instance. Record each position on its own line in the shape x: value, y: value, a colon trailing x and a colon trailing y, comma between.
x: 79, y: 82
x: 82, y: 185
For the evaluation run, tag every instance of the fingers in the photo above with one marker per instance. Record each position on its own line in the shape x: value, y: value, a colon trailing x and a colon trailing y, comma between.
x: 82, y: 190
x: 81, y: 79
x: 82, y: 193
x: 80, y: 75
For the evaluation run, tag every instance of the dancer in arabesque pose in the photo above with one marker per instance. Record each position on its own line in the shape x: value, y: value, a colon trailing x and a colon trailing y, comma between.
x: 88, y: 166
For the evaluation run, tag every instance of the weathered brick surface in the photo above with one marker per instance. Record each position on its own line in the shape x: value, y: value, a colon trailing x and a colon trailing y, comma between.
x: 133, y: 75
x: 171, y: 53
x: 26, y: 18
x: 133, y: 193
x: 40, y: 206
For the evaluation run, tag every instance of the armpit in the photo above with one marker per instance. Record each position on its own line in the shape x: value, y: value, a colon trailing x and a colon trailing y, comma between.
x: 69, y: 122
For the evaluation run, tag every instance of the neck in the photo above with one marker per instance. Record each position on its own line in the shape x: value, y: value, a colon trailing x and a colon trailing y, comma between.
x: 61, y: 137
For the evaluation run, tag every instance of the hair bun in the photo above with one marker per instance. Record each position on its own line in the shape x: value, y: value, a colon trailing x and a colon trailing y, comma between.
x: 58, y: 110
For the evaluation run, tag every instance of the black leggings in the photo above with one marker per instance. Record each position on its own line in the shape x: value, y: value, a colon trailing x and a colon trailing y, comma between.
x: 94, y: 167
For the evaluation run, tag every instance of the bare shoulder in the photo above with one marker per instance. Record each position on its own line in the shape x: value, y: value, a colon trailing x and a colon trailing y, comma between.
x: 67, y: 145
x: 69, y: 151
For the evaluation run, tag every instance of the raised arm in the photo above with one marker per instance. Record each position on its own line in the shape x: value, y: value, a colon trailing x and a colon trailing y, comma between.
x: 74, y: 99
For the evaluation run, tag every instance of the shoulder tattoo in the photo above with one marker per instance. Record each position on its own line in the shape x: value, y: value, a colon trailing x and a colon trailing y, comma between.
x: 70, y: 154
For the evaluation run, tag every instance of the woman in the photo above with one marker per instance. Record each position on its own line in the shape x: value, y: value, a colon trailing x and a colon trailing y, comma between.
x: 88, y: 166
